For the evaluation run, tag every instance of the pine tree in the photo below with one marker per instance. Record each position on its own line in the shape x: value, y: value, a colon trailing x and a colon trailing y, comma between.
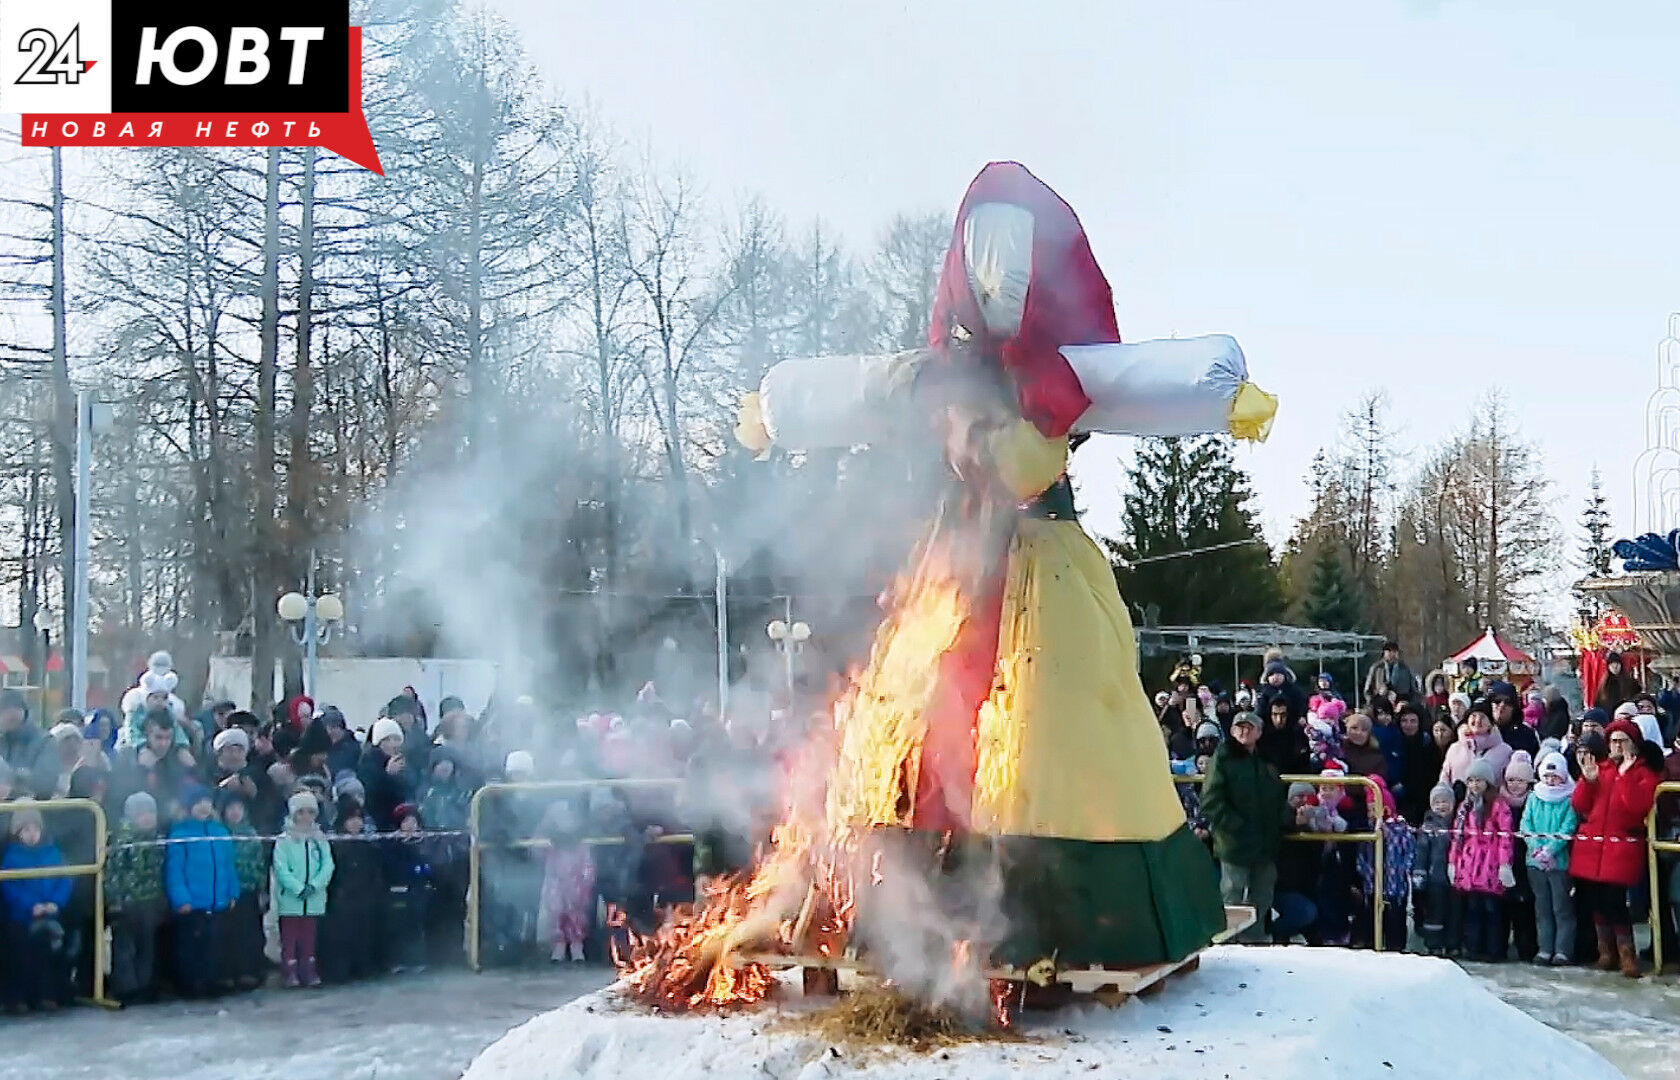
x: 1595, y: 522
x: 1331, y: 602
x: 1192, y: 547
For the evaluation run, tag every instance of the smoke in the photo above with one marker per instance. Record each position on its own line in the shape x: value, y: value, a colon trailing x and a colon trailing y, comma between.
x: 930, y: 919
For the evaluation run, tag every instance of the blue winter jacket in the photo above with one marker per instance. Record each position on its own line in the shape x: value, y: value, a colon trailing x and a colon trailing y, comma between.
x: 200, y: 874
x: 20, y: 897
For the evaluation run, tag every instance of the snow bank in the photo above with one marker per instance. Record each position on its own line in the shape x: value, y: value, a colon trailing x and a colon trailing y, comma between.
x: 1288, y: 1012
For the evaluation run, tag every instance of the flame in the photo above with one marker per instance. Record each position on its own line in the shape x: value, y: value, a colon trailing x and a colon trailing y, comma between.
x: 800, y: 896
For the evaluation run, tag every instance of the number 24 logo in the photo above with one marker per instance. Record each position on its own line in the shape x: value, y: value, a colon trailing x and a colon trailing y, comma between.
x: 52, y: 63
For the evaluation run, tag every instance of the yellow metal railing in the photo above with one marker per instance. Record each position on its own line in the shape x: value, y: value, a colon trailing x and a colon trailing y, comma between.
x: 1373, y: 805
x: 94, y: 869
x: 1668, y: 847
x: 473, y: 926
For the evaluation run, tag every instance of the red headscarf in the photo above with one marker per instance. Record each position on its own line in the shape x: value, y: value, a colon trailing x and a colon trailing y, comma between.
x: 1068, y: 300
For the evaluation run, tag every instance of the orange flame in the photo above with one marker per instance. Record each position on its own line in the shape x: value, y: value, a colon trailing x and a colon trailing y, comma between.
x: 800, y: 896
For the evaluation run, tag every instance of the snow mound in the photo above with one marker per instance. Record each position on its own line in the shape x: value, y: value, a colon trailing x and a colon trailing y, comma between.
x: 1267, y: 1012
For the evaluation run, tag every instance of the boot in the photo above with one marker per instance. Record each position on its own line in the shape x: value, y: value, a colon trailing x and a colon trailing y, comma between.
x: 575, y: 949
x: 1607, y: 960
x: 290, y: 979
x: 1629, y: 957
x: 311, y: 977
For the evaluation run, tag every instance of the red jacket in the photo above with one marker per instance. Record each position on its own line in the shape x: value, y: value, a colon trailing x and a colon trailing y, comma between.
x: 1613, y: 806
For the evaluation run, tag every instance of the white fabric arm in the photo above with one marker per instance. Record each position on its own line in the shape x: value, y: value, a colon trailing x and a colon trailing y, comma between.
x: 830, y: 402
x: 997, y: 246
x: 1176, y: 386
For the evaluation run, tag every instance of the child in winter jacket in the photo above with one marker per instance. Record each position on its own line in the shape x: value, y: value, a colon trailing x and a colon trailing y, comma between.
x: 37, y: 969
x: 1399, y: 856
x: 355, y: 899
x: 241, y: 929
x: 408, y: 890
x: 568, y: 890
x: 134, y: 899
x: 303, y: 868
x: 1431, y: 885
x: 1517, y: 906
x: 202, y: 885
x: 1548, y: 822
x: 1479, y: 863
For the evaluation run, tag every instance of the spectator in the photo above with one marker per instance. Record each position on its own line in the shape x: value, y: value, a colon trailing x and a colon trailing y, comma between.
x: 21, y: 741
x: 1479, y: 862
x: 1440, y: 691
x: 1390, y: 676
x: 1458, y: 708
x: 1478, y: 741
x: 1548, y: 820
x: 1294, y: 910
x: 303, y: 868
x: 1325, y: 690
x: 1181, y: 745
x: 37, y: 968
x: 202, y: 884
x: 1518, y: 903
x: 213, y: 720
x: 384, y: 773
x: 228, y: 768
x: 1360, y: 750
x: 58, y: 759
x: 1502, y: 698
x: 1432, y: 898
x: 1246, y: 805
x: 447, y: 803
x: 1554, y: 724
x: 156, y: 766
x: 1399, y: 856
x: 1284, y: 742
x: 355, y: 900
x: 240, y: 931
x: 1386, y: 733
x: 1421, y: 764
x: 410, y: 716
x: 1618, y: 685
x: 1607, y: 857
x: 134, y: 899
x: 408, y: 888
x: 343, y: 753
x: 1469, y: 679
x: 568, y: 889
x: 1276, y: 681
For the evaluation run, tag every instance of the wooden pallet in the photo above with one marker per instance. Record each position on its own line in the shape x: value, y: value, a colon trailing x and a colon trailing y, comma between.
x: 820, y: 974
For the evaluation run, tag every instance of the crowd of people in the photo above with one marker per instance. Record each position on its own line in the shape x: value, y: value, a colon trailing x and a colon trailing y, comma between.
x: 300, y: 848
x: 1512, y: 824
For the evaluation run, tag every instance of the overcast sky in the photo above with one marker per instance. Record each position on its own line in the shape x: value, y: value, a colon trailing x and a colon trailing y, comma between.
x: 1432, y: 197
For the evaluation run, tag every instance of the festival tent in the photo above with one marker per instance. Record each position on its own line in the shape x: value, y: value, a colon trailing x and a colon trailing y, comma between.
x: 1496, y: 658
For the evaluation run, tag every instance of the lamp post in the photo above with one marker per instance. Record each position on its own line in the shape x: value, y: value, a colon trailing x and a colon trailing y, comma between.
x: 316, y: 614
x: 789, y: 637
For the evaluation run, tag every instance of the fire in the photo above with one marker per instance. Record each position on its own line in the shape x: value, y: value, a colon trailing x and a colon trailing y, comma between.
x: 800, y: 896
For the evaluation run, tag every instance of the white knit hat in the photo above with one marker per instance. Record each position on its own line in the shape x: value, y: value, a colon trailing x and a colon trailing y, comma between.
x: 302, y: 800
x: 156, y: 682
x: 386, y: 728
x: 229, y: 737
x: 519, y: 763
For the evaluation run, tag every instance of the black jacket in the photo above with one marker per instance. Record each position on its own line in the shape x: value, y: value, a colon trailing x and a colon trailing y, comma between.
x: 384, y: 792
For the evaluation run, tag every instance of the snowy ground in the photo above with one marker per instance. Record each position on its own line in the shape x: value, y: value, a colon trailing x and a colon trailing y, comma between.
x: 1636, y: 1026
x: 1246, y: 1013
x: 430, y: 1027
x: 411, y: 1027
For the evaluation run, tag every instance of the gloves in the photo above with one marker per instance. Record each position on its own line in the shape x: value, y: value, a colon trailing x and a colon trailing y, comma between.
x: 307, y: 891
x: 1507, y: 877
x: 1452, y: 874
x: 1543, y: 859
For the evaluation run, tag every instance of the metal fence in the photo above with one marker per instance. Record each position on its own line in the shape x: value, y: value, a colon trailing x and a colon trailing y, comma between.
x: 94, y: 869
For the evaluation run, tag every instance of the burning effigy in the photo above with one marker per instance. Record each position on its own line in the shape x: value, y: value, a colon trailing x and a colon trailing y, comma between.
x: 995, y: 769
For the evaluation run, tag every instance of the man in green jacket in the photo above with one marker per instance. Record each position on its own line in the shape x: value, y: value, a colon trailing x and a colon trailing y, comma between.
x: 1246, y: 804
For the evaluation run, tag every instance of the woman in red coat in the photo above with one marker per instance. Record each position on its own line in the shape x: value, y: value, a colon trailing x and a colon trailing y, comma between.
x: 1607, y: 856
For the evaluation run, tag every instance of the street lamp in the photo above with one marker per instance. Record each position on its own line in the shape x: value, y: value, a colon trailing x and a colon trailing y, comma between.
x: 789, y: 638
x: 317, y: 614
